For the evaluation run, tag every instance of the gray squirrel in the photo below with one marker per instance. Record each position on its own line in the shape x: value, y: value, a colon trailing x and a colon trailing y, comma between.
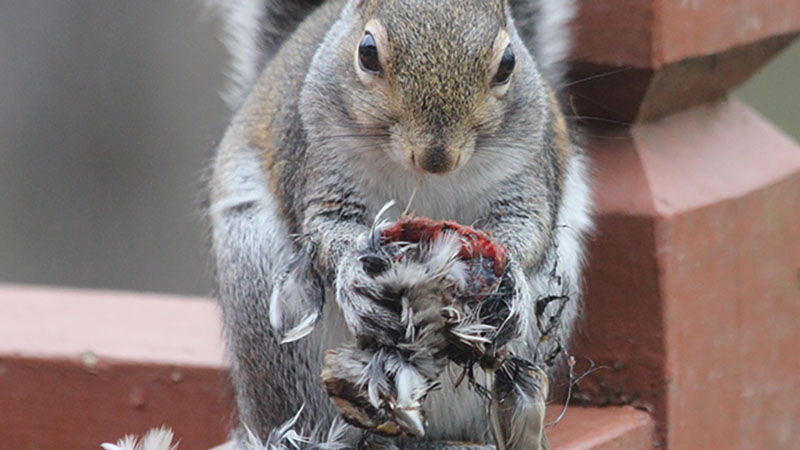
x: 448, y: 108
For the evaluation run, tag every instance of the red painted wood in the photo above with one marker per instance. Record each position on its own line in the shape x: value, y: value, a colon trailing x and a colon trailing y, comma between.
x: 650, y: 34
x: 693, y: 298
x: 57, y: 404
x: 638, y: 60
x: 66, y: 323
x: 78, y: 368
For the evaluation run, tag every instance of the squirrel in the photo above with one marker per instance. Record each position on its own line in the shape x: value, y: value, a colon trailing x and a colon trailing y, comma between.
x: 449, y: 108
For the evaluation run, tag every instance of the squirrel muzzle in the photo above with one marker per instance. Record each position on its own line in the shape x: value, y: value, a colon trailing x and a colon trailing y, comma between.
x: 435, y: 159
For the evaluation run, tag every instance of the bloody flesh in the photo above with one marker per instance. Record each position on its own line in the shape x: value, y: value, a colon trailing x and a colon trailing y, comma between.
x: 475, y: 244
x: 484, y: 299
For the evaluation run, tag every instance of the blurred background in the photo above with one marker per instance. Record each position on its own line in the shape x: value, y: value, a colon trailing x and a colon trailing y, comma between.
x: 109, y: 112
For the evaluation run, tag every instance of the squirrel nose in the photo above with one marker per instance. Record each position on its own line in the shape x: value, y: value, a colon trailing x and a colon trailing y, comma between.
x: 434, y: 159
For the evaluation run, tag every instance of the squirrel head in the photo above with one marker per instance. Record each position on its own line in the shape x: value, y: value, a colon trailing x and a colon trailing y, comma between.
x: 424, y: 80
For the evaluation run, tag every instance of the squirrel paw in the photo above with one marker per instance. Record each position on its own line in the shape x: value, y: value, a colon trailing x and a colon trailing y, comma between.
x: 391, y: 293
x: 392, y: 297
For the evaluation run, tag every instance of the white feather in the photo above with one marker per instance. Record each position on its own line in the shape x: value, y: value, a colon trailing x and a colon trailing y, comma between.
x: 302, y: 330
x: 275, y: 310
x: 408, y: 382
x: 155, y: 439
x: 443, y: 252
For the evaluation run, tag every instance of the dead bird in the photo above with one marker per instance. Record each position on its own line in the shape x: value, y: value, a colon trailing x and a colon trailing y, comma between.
x: 461, y: 316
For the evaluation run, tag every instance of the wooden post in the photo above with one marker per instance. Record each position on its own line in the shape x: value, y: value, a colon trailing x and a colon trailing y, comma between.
x: 693, y: 290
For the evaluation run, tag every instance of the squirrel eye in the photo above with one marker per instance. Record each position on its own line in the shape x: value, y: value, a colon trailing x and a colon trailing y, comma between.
x: 506, y: 68
x: 368, y: 55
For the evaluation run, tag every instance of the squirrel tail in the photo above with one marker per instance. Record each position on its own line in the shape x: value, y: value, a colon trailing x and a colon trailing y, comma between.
x: 254, y: 29
x: 544, y: 25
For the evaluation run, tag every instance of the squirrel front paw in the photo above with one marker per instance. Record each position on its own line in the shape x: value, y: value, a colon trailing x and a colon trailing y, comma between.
x: 391, y: 293
x: 370, y: 309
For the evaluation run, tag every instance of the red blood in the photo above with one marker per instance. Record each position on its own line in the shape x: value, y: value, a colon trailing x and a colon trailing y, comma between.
x: 475, y: 243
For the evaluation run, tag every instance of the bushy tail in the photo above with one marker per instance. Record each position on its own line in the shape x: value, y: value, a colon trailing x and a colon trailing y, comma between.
x: 544, y: 25
x: 252, y: 31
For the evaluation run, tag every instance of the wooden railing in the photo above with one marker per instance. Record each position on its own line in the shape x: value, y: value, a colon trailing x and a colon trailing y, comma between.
x: 79, y: 367
x: 694, y: 281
